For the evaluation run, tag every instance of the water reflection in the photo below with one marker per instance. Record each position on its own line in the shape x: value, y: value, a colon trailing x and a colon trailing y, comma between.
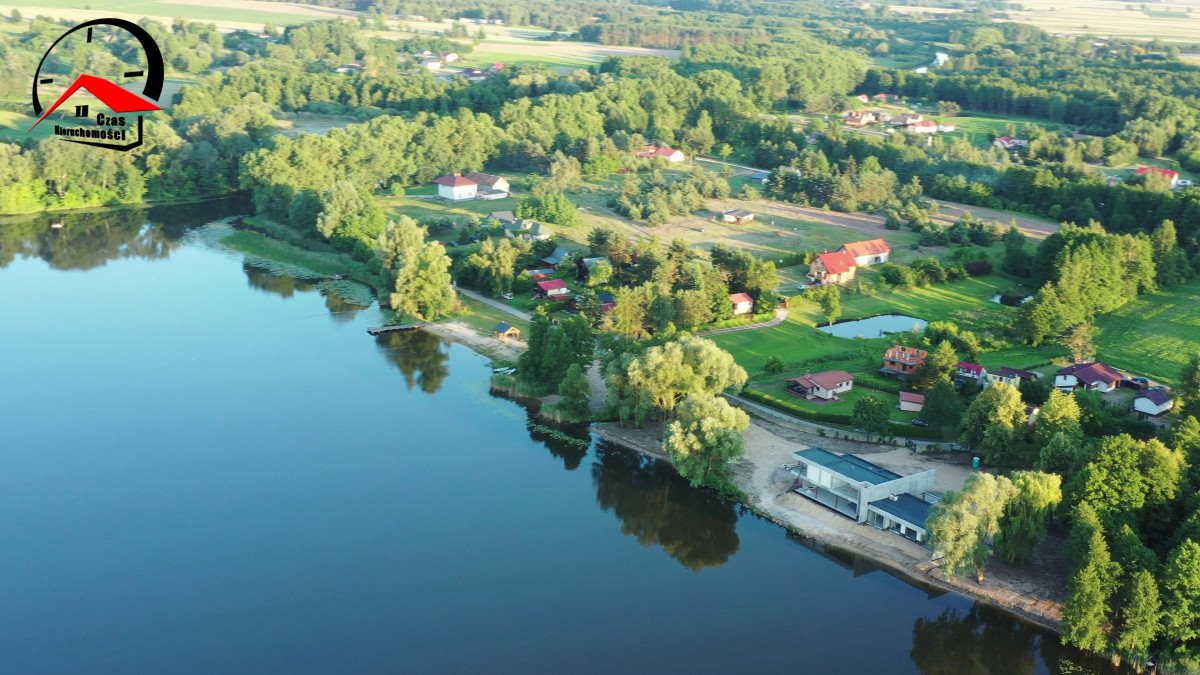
x: 84, y: 240
x: 418, y: 355
x: 659, y: 508
x: 277, y: 284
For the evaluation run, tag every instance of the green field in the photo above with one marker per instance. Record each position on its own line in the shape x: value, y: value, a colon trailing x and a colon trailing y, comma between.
x: 1154, y: 335
x: 225, y: 14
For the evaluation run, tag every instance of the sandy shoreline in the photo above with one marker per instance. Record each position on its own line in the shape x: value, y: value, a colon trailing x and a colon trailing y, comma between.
x: 1034, y: 595
x: 759, y: 475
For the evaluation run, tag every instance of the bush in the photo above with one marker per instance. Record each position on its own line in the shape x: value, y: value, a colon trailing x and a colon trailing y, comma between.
x: 978, y: 268
x: 793, y: 409
x: 774, y: 365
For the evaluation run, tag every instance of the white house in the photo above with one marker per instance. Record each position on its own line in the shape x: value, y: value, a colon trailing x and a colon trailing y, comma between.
x: 553, y: 288
x: 742, y: 303
x: 1153, y: 401
x: 825, y: 386
x: 1094, y: 376
x: 670, y: 154
x: 867, y: 253
x: 456, y: 187
x: 1011, y: 376
x: 449, y: 57
x: 970, y: 371
x: 432, y: 65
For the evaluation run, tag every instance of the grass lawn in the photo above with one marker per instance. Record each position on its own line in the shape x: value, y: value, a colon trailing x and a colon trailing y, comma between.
x: 776, y: 386
x: 1154, y: 335
x: 483, y: 317
x: 965, y: 302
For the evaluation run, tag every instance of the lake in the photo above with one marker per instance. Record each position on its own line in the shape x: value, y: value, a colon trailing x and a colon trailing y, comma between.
x: 209, y: 468
x: 873, y: 327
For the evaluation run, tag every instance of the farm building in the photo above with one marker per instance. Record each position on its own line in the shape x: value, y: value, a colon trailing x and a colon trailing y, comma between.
x: 737, y: 216
x: 870, y: 252
x: 456, y: 187
x: 1171, y: 175
x: 487, y: 181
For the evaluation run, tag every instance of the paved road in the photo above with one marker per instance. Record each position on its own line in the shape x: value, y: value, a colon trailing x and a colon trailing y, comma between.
x: 781, y: 315
x: 495, y: 303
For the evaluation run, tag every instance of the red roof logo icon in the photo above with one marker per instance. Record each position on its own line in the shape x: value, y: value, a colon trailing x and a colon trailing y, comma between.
x: 111, y: 95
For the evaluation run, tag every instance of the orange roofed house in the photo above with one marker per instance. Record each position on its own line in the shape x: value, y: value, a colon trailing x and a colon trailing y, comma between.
x: 866, y: 253
x: 670, y: 154
x: 900, y: 361
x: 837, y: 267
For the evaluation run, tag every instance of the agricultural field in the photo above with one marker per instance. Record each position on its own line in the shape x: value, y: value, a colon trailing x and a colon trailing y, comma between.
x: 1177, y: 20
x: 226, y: 14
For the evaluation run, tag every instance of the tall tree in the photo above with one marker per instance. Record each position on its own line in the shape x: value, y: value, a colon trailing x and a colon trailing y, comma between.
x: 1023, y: 522
x: 871, y: 415
x: 995, y: 423
x: 658, y: 378
x: 1142, y: 615
x: 1078, y: 341
x: 961, y: 523
x: 1181, y: 593
x: 938, y: 367
x: 705, y: 436
x: 1059, y: 414
x: 943, y: 411
x: 419, y: 271
x: 575, y: 392
x: 829, y: 298
x: 1188, y: 391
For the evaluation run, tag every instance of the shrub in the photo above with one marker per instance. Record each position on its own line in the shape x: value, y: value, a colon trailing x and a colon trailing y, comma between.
x: 978, y: 268
x: 774, y: 365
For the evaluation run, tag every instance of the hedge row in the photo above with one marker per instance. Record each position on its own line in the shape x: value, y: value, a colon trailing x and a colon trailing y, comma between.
x: 878, y: 384
x: 793, y: 409
x: 897, y: 429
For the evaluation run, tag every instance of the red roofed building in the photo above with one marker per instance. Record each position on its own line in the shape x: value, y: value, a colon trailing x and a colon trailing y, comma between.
x: 456, y: 187
x: 1093, y: 376
x: 1170, y: 174
x: 1008, y: 142
x: 1153, y: 401
x: 825, y: 386
x: 553, y: 289
x: 910, y: 402
x: 742, y: 303
x: 837, y: 267
x: 969, y: 371
x: 869, y: 252
x: 670, y: 154
x: 923, y: 127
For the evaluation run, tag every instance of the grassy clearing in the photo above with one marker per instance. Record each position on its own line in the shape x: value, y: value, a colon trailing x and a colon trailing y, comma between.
x: 1154, y: 335
x: 321, y: 263
x: 483, y: 317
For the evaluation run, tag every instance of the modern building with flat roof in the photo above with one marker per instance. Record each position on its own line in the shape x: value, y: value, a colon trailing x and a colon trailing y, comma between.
x: 865, y: 491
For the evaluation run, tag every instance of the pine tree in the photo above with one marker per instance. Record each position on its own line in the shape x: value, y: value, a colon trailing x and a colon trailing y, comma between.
x: 1142, y: 614
x: 938, y: 367
x: 1181, y: 593
x: 1188, y: 392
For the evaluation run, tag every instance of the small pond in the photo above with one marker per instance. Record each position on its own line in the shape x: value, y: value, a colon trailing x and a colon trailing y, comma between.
x: 875, y: 326
x: 1011, y: 300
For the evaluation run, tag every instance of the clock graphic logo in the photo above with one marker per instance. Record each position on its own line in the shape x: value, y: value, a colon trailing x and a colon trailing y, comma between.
x: 116, y: 120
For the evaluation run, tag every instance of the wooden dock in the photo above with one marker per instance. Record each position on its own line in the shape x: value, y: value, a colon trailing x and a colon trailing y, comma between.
x: 380, y: 330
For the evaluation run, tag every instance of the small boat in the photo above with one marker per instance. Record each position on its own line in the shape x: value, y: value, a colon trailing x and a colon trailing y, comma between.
x: 57, y: 224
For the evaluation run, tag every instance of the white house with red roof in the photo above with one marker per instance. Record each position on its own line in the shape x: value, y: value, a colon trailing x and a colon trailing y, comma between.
x: 553, y: 288
x: 870, y: 252
x: 670, y: 154
x: 1153, y: 401
x: 456, y: 187
x: 742, y: 303
x: 1091, y: 376
x: 911, y: 401
x: 1170, y: 174
x: 923, y: 127
x: 966, y: 370
x: 825, y: 386
x: 837, y: 267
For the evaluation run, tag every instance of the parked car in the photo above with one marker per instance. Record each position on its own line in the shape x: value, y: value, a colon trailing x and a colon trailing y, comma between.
x: 1140, y: 381
x: 919, y: 423
x: 507, y: 296
x: 802, y: 287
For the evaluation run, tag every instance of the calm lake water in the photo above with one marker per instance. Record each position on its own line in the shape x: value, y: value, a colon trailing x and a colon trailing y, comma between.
x: 875, y: 326
x: 210, y: 469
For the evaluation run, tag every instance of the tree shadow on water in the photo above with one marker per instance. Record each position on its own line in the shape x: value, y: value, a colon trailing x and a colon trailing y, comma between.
x: 419, y: 357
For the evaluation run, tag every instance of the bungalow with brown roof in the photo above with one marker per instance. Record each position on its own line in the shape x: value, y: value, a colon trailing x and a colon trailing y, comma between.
x: 837, y: 267
x: 860, y: 119
x: 870, y: 252
x: 825, y: 386
x: 1091, y: 376
x: 489, y: 181
x: 911, y: 402
x: 901, y: 361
